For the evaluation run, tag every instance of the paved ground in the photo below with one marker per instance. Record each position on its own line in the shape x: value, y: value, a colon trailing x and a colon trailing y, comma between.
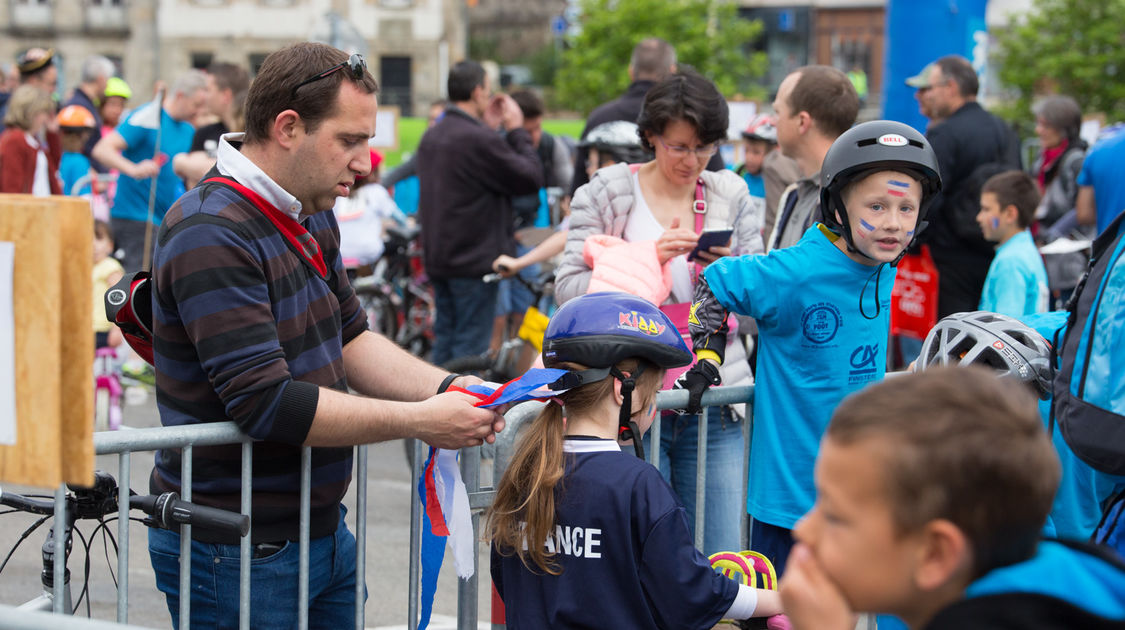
x: 388, y: 537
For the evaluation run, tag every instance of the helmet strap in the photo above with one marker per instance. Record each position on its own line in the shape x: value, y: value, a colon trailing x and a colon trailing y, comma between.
x: 627, y: 428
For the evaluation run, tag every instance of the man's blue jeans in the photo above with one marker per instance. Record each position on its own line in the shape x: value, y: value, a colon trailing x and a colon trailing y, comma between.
x: 273, y: 582
x: 465, y: 308
x: 723, y: 506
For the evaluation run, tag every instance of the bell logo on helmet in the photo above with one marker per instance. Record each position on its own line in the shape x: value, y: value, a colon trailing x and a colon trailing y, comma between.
x: 999, y: 345
x: 892, y: 140
x: 632, y: 321
x: 115, y: 297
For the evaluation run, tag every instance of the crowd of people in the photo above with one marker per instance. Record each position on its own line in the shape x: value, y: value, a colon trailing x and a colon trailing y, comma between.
x: 922, y: 497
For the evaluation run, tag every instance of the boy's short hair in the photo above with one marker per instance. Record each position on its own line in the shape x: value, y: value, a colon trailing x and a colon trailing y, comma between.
x: 529, y: 103
x: 963, y: 445
x: 1015, y: 188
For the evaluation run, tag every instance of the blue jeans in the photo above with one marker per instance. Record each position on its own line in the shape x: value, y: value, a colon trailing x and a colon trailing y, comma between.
x: 772, y: 542
x: 273, y: 581
x: 723, y: 506
x: 465, y: 308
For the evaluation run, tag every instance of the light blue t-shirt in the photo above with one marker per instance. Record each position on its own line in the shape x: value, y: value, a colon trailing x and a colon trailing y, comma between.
x: 1016, y: 283
x: 131, y: 200
x: 814, y: 348
x: 72, y: 167
x: 1102, y: 170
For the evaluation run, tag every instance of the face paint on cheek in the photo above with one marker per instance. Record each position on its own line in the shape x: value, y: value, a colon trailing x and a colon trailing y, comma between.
x: 995, y: 223
x: 910, y: 233
x: 864, y: 228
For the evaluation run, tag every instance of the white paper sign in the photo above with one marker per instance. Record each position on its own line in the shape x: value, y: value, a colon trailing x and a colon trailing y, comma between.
x: 7, y: 347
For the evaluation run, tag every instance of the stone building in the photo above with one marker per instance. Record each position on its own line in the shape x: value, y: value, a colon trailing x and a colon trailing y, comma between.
x: 409, y: 44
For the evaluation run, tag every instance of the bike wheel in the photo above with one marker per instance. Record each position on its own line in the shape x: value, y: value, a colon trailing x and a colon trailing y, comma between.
x: 381, y: 317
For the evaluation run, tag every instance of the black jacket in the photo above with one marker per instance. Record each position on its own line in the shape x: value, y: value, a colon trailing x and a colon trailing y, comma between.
x: 625, y: 107
x: 968, y: 139
x: 467, y: 174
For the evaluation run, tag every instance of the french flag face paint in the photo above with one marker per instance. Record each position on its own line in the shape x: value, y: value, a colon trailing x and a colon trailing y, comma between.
x: 896, y: 188
x: 864, y: 228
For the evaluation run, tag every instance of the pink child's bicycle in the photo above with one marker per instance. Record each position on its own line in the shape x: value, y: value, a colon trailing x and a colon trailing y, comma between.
x: 107, y: 390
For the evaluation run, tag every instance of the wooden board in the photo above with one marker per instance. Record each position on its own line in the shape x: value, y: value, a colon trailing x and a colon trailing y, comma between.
x: 51, y: 287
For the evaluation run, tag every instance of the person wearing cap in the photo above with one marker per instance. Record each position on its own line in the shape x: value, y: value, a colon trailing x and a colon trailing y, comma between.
x: 36, y: 68
x: 921, y: 84
x: 96, y: 71
x: 29, y: 156
x: 76, y: 124
x: 971, y: 145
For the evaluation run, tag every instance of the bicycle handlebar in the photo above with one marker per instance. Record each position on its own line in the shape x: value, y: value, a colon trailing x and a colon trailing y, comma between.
x: 167, y: 510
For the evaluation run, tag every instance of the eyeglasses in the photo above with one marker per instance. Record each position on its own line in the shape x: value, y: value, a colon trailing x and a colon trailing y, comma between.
x: 355, y: 66
x: 680, y: 151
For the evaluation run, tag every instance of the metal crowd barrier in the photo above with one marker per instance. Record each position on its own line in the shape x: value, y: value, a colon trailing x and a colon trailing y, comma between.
x: 124, y: 443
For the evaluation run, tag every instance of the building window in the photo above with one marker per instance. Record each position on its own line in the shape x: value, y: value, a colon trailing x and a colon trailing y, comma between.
x: 201, y: 60
x: 256, y: 61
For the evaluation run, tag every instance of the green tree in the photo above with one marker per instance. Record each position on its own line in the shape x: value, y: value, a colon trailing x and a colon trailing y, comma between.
x: 707, y: 34
x: 1071, y: 47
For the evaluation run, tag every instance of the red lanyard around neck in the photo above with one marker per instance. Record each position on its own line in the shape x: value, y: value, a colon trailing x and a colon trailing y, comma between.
x: 299, y: 239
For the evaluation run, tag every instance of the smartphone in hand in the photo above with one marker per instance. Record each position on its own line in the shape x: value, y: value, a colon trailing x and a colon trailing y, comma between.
x: 709, y: 239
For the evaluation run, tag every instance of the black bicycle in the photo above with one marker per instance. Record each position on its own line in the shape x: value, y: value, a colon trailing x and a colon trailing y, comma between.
x: 397, y: 297
x: 96, y: 503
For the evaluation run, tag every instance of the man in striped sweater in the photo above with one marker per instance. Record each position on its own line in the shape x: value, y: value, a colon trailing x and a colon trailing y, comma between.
x: 255, y: 323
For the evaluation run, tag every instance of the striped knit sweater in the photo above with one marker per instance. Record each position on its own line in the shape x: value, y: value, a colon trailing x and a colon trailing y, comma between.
x: 245, y: 330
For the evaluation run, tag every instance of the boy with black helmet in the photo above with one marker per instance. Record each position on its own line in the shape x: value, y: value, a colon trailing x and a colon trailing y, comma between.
x: 583, y: 535
x: 823, y: 314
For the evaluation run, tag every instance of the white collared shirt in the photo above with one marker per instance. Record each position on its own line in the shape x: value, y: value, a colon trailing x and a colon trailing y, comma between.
x: 232, y: 163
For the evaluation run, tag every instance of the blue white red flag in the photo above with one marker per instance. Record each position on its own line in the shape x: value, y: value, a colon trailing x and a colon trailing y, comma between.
x: 445, y: 502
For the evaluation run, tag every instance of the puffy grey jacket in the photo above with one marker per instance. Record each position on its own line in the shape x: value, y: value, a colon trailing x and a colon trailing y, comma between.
x: 602, y: 207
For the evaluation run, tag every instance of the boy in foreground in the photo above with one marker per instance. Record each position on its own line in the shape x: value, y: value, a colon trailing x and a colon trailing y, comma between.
x: 931, y: 492
x: 1016, y: 283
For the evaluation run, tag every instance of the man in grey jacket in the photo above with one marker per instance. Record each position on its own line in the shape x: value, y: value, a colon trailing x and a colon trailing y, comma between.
x: 814, y: 105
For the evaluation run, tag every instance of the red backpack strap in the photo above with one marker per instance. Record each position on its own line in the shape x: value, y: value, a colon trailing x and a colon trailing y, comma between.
x: 299, y: 239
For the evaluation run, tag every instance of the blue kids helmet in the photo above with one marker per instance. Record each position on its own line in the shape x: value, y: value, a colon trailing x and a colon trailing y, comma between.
x: 599, y: 330
x: 877, y: 145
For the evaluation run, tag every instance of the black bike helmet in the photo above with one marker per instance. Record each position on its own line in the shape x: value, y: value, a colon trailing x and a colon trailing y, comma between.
x: 993, y: 340
x: 599, y: 330
x: 619, y: 139
x: 877, y: 145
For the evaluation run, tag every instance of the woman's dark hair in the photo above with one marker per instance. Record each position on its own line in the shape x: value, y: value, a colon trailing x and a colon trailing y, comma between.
x: 464, y: 77
x: 687, y: 96
x: 272, y: 90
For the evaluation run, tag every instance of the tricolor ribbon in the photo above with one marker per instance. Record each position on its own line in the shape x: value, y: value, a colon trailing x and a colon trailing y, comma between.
x: 445, y: 502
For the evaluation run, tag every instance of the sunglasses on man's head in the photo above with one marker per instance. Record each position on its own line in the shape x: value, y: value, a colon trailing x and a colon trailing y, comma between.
x: 355, y: 66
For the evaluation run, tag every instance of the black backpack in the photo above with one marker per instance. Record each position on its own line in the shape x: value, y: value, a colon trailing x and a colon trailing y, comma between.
x: 1096, y: 318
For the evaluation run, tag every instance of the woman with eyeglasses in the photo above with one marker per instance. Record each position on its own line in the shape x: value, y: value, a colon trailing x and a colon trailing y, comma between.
x: 633, y: 228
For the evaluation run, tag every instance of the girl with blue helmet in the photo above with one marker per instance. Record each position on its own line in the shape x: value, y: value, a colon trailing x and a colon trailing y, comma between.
x: 584, y: 535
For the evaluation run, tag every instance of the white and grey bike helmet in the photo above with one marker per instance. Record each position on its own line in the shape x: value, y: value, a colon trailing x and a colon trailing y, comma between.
x: 992, y: 340
x: 619, y: 139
